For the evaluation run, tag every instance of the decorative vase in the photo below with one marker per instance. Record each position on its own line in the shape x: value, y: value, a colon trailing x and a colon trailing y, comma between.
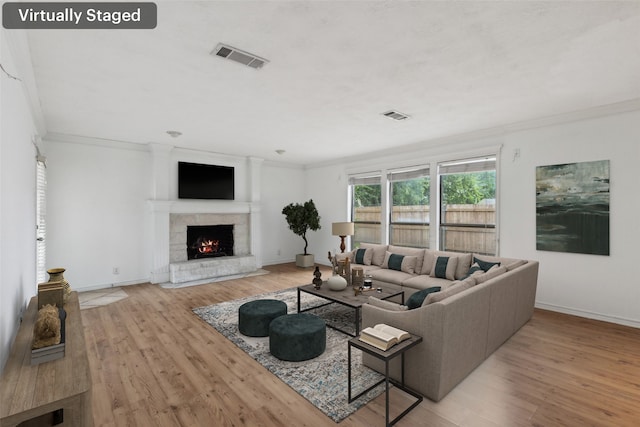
x: 337, y: 283
x: 57, y: 275
x: 317, y: 278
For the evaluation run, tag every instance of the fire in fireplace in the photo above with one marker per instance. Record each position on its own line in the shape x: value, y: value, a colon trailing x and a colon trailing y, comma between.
x: 204, y: 241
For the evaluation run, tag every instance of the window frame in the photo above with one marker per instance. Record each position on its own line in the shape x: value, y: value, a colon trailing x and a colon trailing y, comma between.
x: 467, y: 165
x: 373, y: 178
x: 405, y: 175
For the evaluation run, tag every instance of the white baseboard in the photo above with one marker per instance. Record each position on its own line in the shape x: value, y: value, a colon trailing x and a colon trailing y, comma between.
x: 109, y: 285
x: 588, y: 314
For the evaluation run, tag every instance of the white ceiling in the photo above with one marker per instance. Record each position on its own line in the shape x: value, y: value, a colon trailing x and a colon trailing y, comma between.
x: 335, y: 66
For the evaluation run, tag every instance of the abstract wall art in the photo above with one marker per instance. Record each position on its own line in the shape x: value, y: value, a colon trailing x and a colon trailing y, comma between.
x: 572, y: 207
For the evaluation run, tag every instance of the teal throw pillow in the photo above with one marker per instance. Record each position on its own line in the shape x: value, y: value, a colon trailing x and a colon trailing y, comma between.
x: 417, y: 298
x: 395, y: 262
x: 359, y: 258
x: 440, y: 268
x: 475, y: 267
x: 485, y: 265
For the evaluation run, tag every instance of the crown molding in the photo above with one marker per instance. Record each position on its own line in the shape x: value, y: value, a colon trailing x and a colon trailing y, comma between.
x: 98, y: 142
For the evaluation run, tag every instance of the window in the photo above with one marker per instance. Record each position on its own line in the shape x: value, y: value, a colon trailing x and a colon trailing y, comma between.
x: 409, y: 208
x: 468, y: 206
x: 366, y: 197
x: 41, y: 216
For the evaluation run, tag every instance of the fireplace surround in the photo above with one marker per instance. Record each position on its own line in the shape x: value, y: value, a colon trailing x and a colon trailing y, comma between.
x: 170, y: 219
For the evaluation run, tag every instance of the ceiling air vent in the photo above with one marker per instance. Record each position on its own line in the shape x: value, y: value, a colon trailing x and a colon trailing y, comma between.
x: 395, y: 115
x: 240, y: 56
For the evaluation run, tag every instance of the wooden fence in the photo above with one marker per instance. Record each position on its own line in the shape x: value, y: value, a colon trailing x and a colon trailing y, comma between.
x: 455, y: 238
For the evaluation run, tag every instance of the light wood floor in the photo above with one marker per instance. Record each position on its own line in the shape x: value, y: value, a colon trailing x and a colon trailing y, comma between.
x: 154, y: 363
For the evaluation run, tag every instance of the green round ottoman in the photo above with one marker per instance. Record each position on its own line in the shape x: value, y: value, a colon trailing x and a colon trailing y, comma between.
x: 297, y: 337
x: 254, y: 317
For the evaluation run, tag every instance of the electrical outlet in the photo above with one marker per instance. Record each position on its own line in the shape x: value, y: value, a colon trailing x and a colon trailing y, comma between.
x: 116, y: 270
x: 278, y: 252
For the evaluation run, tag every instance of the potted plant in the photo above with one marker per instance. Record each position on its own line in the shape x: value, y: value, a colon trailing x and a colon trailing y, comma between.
x: 302, y: 218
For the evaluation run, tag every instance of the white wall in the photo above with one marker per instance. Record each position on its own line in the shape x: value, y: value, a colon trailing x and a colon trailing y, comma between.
x: 280, y: 185
x: 17, y: 201
x: 328, y: 187
x: 600, y: 287
x: 97, y: 213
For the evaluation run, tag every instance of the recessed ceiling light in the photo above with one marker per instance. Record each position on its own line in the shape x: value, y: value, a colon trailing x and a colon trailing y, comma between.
x: 174, y: 133
x: 396, y: 115
x: 281, y: 152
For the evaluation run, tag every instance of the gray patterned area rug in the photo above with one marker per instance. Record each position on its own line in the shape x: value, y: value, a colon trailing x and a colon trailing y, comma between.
x: 323, y: 380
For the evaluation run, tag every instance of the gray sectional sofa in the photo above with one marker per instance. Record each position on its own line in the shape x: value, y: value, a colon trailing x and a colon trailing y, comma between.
x: 482, y: 302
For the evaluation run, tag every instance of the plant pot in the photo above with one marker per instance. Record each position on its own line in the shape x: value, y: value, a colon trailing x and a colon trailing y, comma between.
x: 304, y: 261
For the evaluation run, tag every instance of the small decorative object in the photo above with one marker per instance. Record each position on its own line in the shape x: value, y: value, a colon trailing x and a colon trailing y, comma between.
x: 46, y: 330
x: 344, y: 269
x: 357, y: 290
x: 337, y: 283
x: 317, y: 281
x: 367, y: 282
x: 57, y: 275
x: 357, y: 276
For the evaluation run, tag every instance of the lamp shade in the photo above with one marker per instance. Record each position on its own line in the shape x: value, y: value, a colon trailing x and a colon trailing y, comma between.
x: 342, y: 229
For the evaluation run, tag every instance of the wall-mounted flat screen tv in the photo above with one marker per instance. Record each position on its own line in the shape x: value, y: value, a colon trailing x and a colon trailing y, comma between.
x: 199, y: 181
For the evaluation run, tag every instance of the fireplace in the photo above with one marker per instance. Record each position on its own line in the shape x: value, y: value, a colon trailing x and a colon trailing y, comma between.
x: 209, y: 241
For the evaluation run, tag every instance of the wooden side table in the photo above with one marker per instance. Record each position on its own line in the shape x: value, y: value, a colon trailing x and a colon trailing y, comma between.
x: 50, y: 393
x: 386, y: 356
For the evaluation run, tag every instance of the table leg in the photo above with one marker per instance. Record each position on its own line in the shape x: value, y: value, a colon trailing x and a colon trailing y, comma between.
x: 358, y: 315
x: 298, y: 300
x: 386, y: 392
x: 349, y: 372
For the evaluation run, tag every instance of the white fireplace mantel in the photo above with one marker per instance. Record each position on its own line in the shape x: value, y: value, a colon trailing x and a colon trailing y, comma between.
x: 203, y: 206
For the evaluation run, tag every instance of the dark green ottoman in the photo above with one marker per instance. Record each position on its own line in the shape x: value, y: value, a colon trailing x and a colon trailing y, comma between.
x: 297, y: 337
x: 254, y: 317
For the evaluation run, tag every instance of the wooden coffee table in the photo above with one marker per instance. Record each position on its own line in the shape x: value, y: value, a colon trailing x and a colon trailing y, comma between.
x: 347, y: 298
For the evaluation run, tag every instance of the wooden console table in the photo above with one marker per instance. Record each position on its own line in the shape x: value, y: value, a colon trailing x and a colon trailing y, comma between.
x: 58, y: 390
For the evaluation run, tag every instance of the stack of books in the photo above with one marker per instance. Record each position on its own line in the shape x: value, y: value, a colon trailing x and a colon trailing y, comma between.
x: 383, y: 336
x: 50, y: 293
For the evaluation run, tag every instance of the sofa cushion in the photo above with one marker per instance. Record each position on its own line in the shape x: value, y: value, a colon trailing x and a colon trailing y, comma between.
x: 378, y: 252
x: 416, y: 252
x: 398, y: 262
x: 423, y: 282
x: 455, y: 288
x: 485, y: 265
x: 464, y: 262
x: 387, y: 305
x: 474, y: 268
x: 416, y: 300
x: 362, y: 256
x: 444, y: 267
x: 494, y: 271
x: 389, y: 276
x: 510, y: 263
